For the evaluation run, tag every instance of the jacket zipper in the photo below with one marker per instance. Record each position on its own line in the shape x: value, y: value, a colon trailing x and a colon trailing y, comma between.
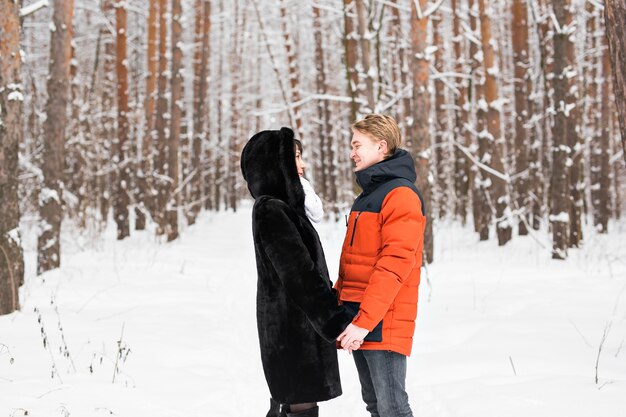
x: 354, y: 228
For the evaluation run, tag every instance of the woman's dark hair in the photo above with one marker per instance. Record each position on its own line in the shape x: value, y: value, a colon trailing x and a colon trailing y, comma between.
x: 298, y: 145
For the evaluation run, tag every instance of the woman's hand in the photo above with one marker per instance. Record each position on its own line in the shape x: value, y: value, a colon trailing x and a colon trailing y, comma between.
x: 350, y: 335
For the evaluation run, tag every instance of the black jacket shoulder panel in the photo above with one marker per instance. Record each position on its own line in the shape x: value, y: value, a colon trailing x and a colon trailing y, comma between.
x: 373, y: 201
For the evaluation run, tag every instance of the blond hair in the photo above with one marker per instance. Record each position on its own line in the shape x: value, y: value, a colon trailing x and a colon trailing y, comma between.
x: 380, y: 127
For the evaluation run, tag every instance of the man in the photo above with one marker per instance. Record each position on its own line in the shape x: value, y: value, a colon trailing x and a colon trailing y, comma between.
x: 379, y: 270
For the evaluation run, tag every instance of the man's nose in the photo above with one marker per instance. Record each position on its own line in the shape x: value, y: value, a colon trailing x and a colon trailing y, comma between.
x: 352, y: 154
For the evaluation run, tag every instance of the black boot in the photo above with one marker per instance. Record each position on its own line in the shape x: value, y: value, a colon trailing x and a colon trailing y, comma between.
x: 311, y: 412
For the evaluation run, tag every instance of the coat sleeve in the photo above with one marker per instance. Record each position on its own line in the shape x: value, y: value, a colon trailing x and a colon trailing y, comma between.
x: 312, y: 203
x: 402, y: 230
x: 308, y: 288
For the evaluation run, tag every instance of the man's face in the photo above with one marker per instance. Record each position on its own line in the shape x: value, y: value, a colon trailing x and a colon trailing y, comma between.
x: 366, y: 151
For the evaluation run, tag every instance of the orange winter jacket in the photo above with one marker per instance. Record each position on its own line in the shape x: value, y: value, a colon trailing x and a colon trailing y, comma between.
x: 379, y: 270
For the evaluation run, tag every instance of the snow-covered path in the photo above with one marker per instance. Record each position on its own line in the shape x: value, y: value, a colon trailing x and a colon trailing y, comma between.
x: 500, y: 331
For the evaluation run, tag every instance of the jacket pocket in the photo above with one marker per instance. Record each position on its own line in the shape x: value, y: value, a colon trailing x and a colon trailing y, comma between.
x: 356, y: 219
x: 376, y: 335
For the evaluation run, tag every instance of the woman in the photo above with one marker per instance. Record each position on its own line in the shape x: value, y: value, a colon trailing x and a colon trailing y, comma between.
x: 298, y: 316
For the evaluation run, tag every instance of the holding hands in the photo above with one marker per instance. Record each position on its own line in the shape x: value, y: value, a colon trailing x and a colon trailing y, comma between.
x: 352, y: 337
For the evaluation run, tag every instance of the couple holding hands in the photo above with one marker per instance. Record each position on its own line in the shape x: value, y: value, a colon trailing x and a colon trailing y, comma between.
x: 302, y: 319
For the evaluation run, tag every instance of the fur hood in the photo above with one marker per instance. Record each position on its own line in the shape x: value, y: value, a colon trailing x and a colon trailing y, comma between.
x: 268, y: 166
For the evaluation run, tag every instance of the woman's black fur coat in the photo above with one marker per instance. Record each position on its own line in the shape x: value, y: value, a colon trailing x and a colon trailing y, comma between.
x: 298, y: 316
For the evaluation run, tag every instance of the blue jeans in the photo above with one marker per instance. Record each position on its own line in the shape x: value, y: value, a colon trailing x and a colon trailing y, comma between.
x: 383, y: 374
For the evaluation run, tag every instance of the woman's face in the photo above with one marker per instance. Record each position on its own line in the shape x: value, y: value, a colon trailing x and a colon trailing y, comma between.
x: 299, y: 162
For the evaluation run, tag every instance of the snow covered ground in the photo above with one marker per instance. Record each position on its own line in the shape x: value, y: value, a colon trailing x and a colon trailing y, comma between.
x: 143, y: 328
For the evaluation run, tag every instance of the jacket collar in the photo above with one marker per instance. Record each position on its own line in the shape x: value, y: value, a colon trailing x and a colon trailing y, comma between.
x: 399, y: 165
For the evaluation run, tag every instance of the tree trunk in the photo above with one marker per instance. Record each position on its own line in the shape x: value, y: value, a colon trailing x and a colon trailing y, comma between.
x: 349, y: 44
x: 201, y: 57
x: 522, y: 67
x: 74, y: 174
x: 323, y: 109
x: 615, y: 17
x: 219, y: 160
x: 601, y: 197
x: 440, y: 124
x: 11, y: 99
x: 122, y: 199
x: 481, y: 207
x: 107, y: 134
x: 176, y: 105
x: 419, y: 141
x: 294, y: 78
x: 366, y: 60
x: 233, y: 145
x: 560, y: 197
x: 50, y: 197
x: 577, y: 184
x: 146, y: 202
x: 161, y: 183
x: 461, y: 163
x: 495, y: 154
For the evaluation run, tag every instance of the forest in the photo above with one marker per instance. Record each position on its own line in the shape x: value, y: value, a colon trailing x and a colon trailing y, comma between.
x: 136, y: 112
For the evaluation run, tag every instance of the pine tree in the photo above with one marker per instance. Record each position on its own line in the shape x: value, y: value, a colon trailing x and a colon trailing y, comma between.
x: 51, y: 196
x: 11, y: 98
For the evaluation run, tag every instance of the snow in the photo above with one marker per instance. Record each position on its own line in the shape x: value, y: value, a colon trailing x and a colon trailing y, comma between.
x: 48, y: 194
x: 560, y: 217
x: 15, y: 96
x: 14, y: 235
x: 501, y: 331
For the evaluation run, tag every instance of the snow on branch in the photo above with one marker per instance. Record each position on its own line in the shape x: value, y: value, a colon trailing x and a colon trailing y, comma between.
x: 495, y: 173
x: 418, y: 9
x: 616, y: 157
x: 406, y: 91
x: 562, y: 30
x: 394, y: 5
x: 469, y: 34
x: 327, y: 97
x: 327, y: 8
x: 429, y: 11
x: 596, y: 4
x: 432, y: 9
x: 442, y: 77
x: 32, y: 8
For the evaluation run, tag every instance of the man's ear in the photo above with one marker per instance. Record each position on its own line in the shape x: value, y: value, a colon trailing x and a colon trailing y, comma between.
x: 382, y: 146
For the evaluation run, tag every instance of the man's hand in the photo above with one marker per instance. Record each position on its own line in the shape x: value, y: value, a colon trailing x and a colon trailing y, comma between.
x: 350, y: 335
